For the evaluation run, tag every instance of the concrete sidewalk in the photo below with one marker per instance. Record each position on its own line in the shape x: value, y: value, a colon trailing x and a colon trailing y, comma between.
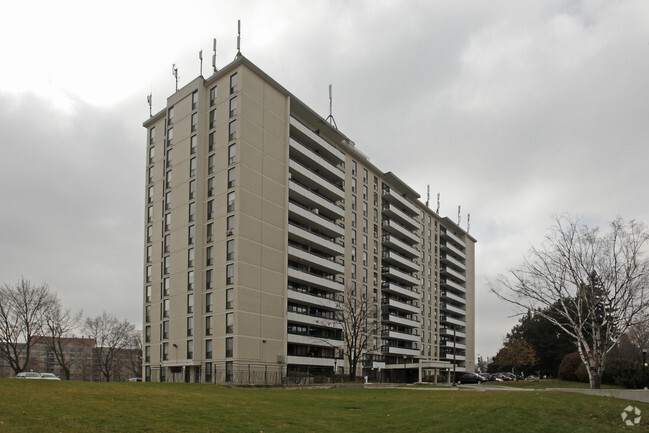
x: 626, y: 394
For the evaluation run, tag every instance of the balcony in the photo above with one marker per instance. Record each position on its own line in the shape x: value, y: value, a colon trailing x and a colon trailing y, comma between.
x: 452, y: 297
x: 394, y: 212
x: 449, y: 247
x: 330, y: 149
x: 315, y: 280
x: 453, y: 285
x: 445, y: 234
x: 317, y: 301
x: 452, y: 357
x: 452, y: 321
x: 449, y: 343
x: 403, y: 277
x: 402, y: 321
x: 396, y: 229
x: 324, y: 244
x: 403, y: 306
x: 310, y: 177
x: 394, y: 258
x: 446, y: 258
x: 402, y: 351
x: 453, y: 273
x: 453, y: 309
x: 315, y: 261
x: 314, y: 341
x: 397, y: 244
x: 389, y: 287
x: 400, y: 336
x: 306, y: 156
x: 392, y: 196
x: 315, y: 220
x: 314, y: 200
x: 312, y: 320
x: 308, y: 360
x: 449, y: 332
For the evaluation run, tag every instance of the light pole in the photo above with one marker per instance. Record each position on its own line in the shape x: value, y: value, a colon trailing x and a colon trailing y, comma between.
x: 644, y: 361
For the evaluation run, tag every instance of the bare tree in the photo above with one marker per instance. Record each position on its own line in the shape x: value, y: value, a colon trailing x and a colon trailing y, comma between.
x: 58, y: 325
x: 592, y: 285
x: 134, y: 358
x: 22, y: 310
x: 112, y: 336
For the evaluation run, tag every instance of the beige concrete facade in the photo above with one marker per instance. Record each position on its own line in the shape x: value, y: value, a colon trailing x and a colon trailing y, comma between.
x: 259, y: 216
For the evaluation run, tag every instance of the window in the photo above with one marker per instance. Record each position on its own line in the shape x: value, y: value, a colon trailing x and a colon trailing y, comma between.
x: 190, y: 258
x: 210, y: 187
x: 170, y: 115
x: 149, y: 233
x: 229, y: 299
x: 229, y: 347
x: 353, y: 237
x: 170, y: 136
x: 192, y: 211
x: 353, y: 201
x: 149, y: 249
x: 190, y: 349
x: 148, y: 274
x: 209, y: 256
x: 208, y: 325
x: 170, y: 157
x: 165, y: 265
x: 192, y: 167
x: 234, y: 81
x: 229, y: 371
x: 208, y: 279
x: 152, y: 135
x: 229, y: 225
x: 208, y: 302
x: 229, y: 250
x: 193, y: 142
x: 208, y: 352
x: 165, y: 308
x: 192, y: 189
x: 232, y: 153
x: 210, y: 164
x: 365, y: 175
x: 231, y: 201
x: 194, y: 121
x: 353, y: 270
x: 210, y: 232
x: 166, y: 244
x: 147, y: 313
x: 233, y: 106
x: 151, y: 154
x: 231, y: 178
x: 151, y: 174
x: 150, y: 194
x: 168, y: 178
x: 147, y: 353
x: 364, y: 192
x: 212, y: 96
x: 166, y: 286
x: 353, y: 254
x: 190, y: 280
x: 148, y: 294
x: 229, y: 323
x: 353, y: 168
x: 212, y: 119
x: 165, y: 355
x: 353, y: 184
x: 149, y: 214
x: 190, y: 326
x: 194, y: 99
x: 229, y: 274
x: 232, y: 130
x: 168, y: 201
x: 211, y: 141
x: 210, y: 209
x: 376, y: 183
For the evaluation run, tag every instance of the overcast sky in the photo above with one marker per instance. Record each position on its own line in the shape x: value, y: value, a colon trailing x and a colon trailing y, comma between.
x: 515, y: 110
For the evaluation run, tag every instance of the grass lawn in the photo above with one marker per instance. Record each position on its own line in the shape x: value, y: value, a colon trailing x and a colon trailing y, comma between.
x: 49, y: 406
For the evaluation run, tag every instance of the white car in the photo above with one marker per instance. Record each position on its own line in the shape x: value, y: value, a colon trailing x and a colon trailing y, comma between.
x: 49, y: 376
x: 28, y: 375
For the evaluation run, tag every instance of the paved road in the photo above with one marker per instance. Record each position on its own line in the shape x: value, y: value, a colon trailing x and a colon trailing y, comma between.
x: 626, y: 394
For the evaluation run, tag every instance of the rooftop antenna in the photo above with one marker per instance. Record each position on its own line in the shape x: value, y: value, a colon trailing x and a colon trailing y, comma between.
x: 214, y: 57
x: 458, y: 214
x: 437, y: 211
x: 427, y: 194
x: 149, y: 100
x: 200, y: 56
x: 331, y: 119
x: 468, y: 223
x: 238, y: 38
x: 174, y: 72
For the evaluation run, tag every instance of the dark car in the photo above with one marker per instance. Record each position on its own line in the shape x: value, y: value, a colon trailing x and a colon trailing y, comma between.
x: 470, y: 378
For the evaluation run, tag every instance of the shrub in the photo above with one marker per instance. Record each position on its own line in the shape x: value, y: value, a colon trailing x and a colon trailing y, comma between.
x: 572, y: 368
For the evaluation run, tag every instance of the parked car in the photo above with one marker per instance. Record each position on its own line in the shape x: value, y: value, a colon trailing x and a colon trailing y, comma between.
x: 532, y: 377
x: 49, y: 376
x: 134, y: 379
x: 470, y: 378
x: 488, y: 377
x: 28, y: 375
x: 504, y: 376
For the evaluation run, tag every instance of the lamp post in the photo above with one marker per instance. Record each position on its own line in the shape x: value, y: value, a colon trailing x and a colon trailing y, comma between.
x: 644, y: 361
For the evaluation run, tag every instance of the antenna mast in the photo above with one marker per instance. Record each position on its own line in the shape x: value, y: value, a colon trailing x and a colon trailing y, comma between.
x: 174, y: 72
x: 468, y: 223
x: 331, y: 119
x: 437, y: 211
x: 149, y: 100
x: 238, y: 38
x: 200, y: 56
x: 458, y: 214
x: 427, y: 194
x: 214, y: 57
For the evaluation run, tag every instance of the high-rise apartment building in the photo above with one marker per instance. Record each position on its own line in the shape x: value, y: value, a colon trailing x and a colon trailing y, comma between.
x: 262, y: 219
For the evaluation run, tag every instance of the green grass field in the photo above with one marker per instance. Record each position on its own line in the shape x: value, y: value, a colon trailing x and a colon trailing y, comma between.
x: 549, y: 383
x: 49, y: 406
